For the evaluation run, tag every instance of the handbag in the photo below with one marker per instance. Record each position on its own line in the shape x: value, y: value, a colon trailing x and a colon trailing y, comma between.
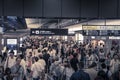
x: 28, y: 70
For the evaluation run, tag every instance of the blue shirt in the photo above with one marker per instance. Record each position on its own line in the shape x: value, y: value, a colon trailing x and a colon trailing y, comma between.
x: 80, y: 75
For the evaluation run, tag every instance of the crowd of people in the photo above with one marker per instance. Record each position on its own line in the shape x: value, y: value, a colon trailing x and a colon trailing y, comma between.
x: 50, y: 59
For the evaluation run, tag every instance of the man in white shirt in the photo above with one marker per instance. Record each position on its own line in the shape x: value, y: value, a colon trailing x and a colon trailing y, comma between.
x: 36, y: 70
x: 23, y: 64
x: 114, y: 63
x: 92, y: 71
x: 10, y: 61
x: 42, y: 62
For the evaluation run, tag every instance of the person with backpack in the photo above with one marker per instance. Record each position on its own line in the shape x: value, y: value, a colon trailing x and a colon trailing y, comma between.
x: 116, y: 75
x: 114, y: 63
x: 80, y: 74
x: 108, y: 73
x: 17, y: 71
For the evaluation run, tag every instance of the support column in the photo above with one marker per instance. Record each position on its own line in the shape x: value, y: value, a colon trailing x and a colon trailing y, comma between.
x: 1, y: 46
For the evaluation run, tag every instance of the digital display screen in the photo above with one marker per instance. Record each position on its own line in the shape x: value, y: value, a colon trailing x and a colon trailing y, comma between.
x: 93, y: 32
x: 90, y: 32
x: 11, y: 41
x: 49, y: 32
x: 12, y: 23
x: 101, y: 32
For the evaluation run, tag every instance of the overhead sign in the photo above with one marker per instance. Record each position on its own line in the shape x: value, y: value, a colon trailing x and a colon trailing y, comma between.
x: 112, y: 37
x: 49, y: 32
x: 101, y: 27
x: 89, y: 27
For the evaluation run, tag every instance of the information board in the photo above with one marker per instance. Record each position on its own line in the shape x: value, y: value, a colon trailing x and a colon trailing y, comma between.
x: 101, y: 30
x: 101, y: 27
x: 48, y: 32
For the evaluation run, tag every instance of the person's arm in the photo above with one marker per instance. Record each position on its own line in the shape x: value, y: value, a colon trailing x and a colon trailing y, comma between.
x: 111, y: 63
x: 32, y: 69
x: 6, y: 63
x: 21, y: 73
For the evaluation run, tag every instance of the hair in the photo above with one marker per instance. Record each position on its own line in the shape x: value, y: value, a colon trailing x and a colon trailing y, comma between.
x: 36, y: 59
x: 102, y: 74
x: 81, y: 65
x: 11, y: 52
x: 45, y: 50
x: 22, y: 45
x: 75, y: 55
x: 115, y: 55
x: 99, y: 78
x: 103, y: 65
x: 40, y: 56
x: 18, y: 58
x: 22, y: 56
x: 108, y: 67
x: 39, y: 50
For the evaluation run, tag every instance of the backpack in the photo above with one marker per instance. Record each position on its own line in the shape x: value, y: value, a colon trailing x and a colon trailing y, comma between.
x: 106, y: 75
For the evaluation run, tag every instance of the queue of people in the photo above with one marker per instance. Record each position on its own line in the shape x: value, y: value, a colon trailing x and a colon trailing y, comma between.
x: 50, y: 59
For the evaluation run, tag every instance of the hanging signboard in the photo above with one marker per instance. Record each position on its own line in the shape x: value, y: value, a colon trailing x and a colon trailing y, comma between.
x: 49, y: 32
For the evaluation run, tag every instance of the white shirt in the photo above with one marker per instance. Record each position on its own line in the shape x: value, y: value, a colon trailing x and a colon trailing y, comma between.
x: 42, y: 62
x: 51, y: 53
x: 10, y: 61
x: 36, y: 68
x: 23, y: 64
x: 35, y: 52
x: 92, y: 73
x: 91, y: 59
x: 69, y: 72
x: 112, y: 53
x: 102, y: 55
x: 114, y: 65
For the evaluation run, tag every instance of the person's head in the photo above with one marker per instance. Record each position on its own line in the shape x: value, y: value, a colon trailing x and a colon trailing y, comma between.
x: 45, y: 51
x: 40, y: 56
x: 36, y: 59
x: 99, y: 78
x: 39, y: 50
x: 11, y: 53
x: 102, y: 74
x: 75, y: 55
x: 103, y: 65
x: 22, y: 45
x: 101, y: 50
x: 21, y: 56
x: 116, y: 57
x: 30, y: 53
x: 112, y: 48
x: 67, y: 64
x: 81, y: 65
x: 18, y: 61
